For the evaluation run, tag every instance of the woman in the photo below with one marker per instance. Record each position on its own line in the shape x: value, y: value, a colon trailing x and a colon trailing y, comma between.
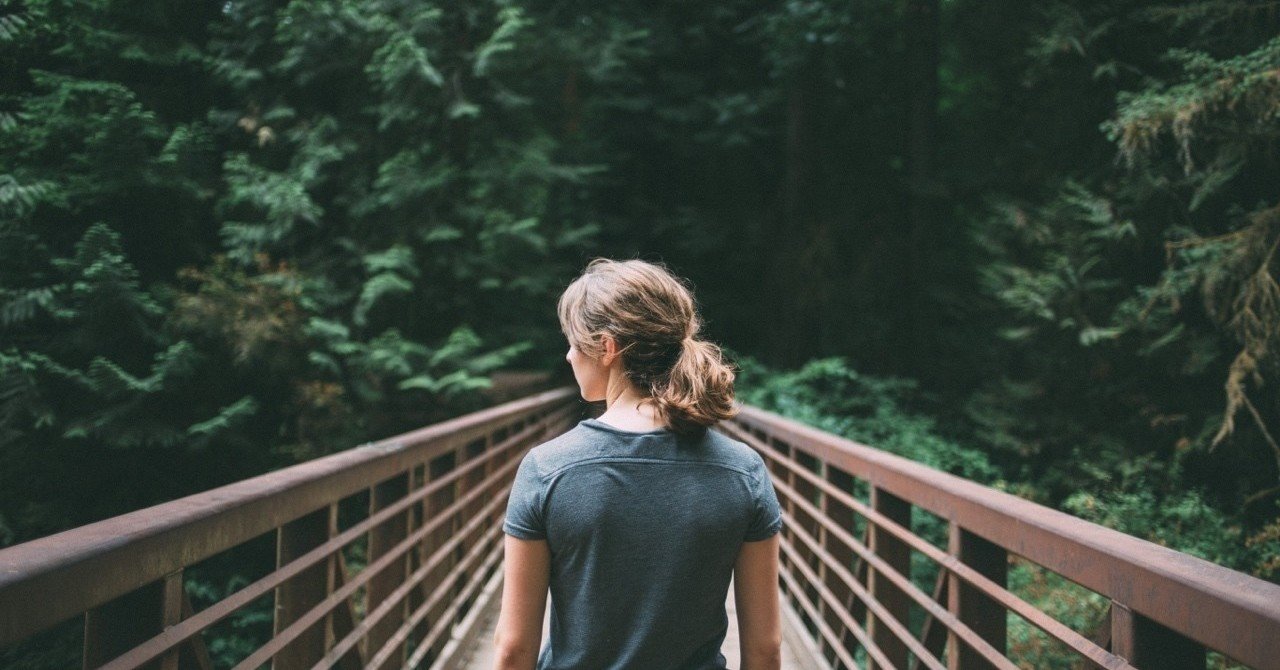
x: 637, y: 519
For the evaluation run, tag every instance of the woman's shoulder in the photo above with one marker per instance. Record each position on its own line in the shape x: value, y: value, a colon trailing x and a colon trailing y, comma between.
x: 585, y: 443
x: 734, y: 452
x: 561, y: 450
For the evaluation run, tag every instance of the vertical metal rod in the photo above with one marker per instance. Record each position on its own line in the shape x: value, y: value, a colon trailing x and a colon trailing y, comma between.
x: 117, y: 626
x: 826, y: 580
x: 417, y: 480
x: 785, y: 503
x: 382, y: 538
x: 199, y: 652
x: 339, y: 621
x: 844, y: 517
x: 805, y: 490
x: 435, y: 469
x: 304, y: 591
x: 1147, y: 644
x: 460, y: 488
x: 170, y: 614
x: 897, y: 554
x: 975, y: 609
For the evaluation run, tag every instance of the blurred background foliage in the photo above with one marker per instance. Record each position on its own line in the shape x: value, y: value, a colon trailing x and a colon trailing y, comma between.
x: 1033, y: 244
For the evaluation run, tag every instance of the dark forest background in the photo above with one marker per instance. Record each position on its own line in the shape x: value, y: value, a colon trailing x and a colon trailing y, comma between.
x: 1034, y: 243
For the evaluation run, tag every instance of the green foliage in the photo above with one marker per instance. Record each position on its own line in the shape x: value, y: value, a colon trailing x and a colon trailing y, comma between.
x: 885, y: 412
x: 1183, y: 521
x: 18, y: 199
x: 1132, y: 293
x: 244, y: 631
x: 1079, y: 608
x: 1063, y: 282
x: 281, y: 200
x: 389, y: 362
x: 98, y: 297
x: 1226, y: 104
x: 277, y: 278
x: 429, y: 178
x: 237, y: 235
x: 391, y: 271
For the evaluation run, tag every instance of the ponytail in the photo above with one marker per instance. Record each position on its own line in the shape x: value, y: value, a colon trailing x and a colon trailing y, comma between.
x: 698, y: 391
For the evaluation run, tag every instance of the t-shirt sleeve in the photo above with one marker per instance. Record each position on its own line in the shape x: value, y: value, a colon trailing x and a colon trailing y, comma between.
x: 766, y: 518
x: 524, y: 518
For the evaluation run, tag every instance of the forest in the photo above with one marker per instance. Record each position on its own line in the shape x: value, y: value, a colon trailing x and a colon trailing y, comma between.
x: 1030, y: 243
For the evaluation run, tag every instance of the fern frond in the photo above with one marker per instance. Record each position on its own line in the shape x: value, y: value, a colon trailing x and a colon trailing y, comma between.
x: 17, y: 199
x: 227, y: 418
x: 11, y: 26
x: 19, y: 305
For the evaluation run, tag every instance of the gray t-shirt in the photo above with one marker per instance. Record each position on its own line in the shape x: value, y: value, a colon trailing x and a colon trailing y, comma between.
x: 644, y: 529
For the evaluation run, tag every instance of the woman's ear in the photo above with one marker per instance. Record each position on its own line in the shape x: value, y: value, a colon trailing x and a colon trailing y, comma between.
x: 610, y: 349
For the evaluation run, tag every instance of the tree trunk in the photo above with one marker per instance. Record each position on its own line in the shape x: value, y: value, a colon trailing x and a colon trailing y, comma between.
x: 922, y: 35
x: 801, y: 259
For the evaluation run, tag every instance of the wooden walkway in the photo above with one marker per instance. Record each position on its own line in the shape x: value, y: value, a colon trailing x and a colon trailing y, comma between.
x: 798, y: 650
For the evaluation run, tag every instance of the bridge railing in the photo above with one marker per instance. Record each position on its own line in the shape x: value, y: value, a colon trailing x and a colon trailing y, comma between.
x: 429, y: 538
x: 854, y: 589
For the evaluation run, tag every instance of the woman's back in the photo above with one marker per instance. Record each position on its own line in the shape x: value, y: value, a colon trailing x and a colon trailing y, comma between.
x: 636, y: 533
x: 643, y: 530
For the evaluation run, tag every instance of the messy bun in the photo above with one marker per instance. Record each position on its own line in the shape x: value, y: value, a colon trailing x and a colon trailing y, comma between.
x: 654, y: 319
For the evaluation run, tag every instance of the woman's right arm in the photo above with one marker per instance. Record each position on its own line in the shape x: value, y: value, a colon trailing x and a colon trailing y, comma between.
x: 755, y: 594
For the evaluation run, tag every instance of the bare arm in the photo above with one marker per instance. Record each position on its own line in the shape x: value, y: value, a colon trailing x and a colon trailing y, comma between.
x: 527, y: 574
x: 755, y: 594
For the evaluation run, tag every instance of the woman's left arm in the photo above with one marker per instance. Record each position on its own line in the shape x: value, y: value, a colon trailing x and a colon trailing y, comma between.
x: 526, y: 577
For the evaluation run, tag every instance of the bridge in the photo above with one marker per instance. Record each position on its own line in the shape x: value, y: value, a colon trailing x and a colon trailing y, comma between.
x: 389, y: 555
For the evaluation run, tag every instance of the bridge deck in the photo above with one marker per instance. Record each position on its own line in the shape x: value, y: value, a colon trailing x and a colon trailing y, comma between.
x: 798, y: 650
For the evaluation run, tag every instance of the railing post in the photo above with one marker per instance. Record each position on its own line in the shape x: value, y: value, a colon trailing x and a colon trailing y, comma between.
x: 843, y: 516
x: 170, y: 614
x: 382, y: 538
x: 805, y: 491
x: 897, y: 554
x: 496, y: 516
x: 823, y: 543
x: 305, y: 590
x: 977, y: 611
x: 460, y: 489
x: 490, y: 441
x: 417, y: 555
x: 435, y: 469
x: 1147, y: 644
x: 340, y: 620
x: 783, y: 450
x: 123, y: 623
x: 475, y: 449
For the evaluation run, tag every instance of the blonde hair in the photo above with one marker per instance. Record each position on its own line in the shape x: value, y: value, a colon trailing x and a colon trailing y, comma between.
x: 652, y: 315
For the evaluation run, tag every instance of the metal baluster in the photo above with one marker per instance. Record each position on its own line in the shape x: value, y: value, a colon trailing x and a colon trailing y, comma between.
x: 897, y: 554
x: 985, y: 616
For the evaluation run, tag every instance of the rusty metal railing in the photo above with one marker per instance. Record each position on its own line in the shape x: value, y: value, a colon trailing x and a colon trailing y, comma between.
x: 429, y: 530
x: 1166, y: 607
x: 430, y: 535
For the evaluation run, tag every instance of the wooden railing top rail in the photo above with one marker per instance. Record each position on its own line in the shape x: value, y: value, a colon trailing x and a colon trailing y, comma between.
x: 1226, y: 610
x: 78, y: 569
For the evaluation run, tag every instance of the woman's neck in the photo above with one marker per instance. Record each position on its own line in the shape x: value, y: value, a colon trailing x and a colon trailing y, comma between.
x: 628, y: 413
